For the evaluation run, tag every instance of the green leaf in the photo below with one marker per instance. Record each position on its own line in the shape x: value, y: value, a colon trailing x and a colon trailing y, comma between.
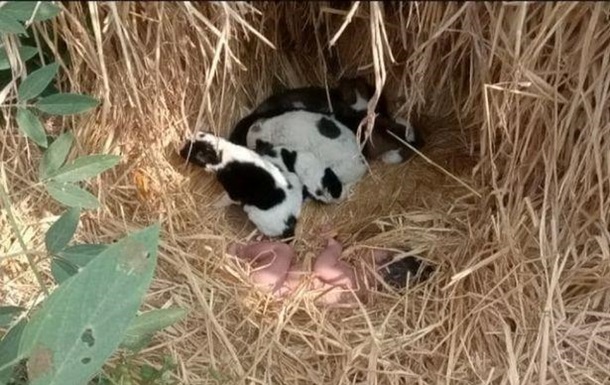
x: 84, y: 167
x: 83, y: 253
x: 80, y: 325
x: 31, y: 126
x: 148, y: 373
x: 145, y: 325
x: 25, y: 52
x: 22, y: 10
x: 55, y: 156
x: 50, y: 90
x: 10, y: 25
x: 37, y: 81
x: 9, y: 346
x: 72, y: 259
x: 8, y: 313
x: 62, y: 231
x: 62, y: 270
x: 66, y: 104
x: 72, y: 195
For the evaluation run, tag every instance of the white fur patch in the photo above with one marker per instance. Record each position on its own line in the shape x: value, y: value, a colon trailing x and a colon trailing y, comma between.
x: 392, y: 157
x: 298, y: 105
x: 224, y: 201
x: 298, y: 130
x: 361, y: 103
x: 311, y: 172
x: 409, y: 130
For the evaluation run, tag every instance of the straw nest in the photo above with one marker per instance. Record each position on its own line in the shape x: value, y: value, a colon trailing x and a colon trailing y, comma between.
x: 509, y: 198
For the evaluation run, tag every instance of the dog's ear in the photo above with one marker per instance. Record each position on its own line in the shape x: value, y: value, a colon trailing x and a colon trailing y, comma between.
x: 347, y: 91
x: 200, y: 134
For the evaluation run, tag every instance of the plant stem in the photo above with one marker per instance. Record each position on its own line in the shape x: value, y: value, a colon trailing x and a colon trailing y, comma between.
x: 7, y: 203
x: 8, y: 105
x: 20, y: 253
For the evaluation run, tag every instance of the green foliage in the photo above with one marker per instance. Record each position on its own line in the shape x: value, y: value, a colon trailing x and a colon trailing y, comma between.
x: 73, y: 258
x: 58, y: 177
x: 9, y: 347
x: 143, y: 327
x: 25, y: 52
x: 66, y: 104
x: 71, y: 195
x: 77, y: 329
x: 152, y: 376
x: 8, y: 313
x: 9, y: 25
x: 92, y: 312
x: 23, y: 10
x: 55, y: 156
x: 129, y: 372
x: 62, y: 231
x: 36, y: 82
x: 31, y: 127
x: 83, y: 168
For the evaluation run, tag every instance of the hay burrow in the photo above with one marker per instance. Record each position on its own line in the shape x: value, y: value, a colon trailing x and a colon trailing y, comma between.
x: 510, y: 198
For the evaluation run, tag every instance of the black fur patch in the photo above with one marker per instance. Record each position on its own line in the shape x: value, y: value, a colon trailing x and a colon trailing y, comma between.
x: 396, y: 273
x: 201, y: 153
x: 249, y: 184
x: 264, y: 148
x: 328, y: 128
x: 291, y: 224
x: 306, y: 193
x: 331, y: 182
x: 289, y: 158
x: 239, y: 134
x: 313, y: 98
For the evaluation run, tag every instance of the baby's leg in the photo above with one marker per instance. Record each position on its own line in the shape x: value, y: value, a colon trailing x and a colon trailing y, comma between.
x: 331, y: 270
x: 271, y: 261
x: 294, y: 277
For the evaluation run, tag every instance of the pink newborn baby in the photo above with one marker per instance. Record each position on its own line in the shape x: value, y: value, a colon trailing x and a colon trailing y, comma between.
x: 331, y: 278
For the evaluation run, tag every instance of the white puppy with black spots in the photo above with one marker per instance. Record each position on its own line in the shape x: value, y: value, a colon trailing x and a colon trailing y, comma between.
x: 319, y: 182
x: 333, y: 145
x: 272, y: 199
x: 348, y: 104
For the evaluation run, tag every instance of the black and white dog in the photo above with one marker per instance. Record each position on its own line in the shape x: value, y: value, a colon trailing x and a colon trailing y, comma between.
x: 348, y: 103
x: 327, y: 142
x: 272, y: 199
x: 319, y: 182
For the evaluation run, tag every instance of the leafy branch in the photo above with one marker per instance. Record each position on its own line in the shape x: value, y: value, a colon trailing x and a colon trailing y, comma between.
x: 93, y: 310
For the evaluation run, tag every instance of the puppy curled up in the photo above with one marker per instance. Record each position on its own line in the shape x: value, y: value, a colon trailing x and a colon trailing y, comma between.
x: 329, y: 141
x: 271, y: 198
x: 348, y: 103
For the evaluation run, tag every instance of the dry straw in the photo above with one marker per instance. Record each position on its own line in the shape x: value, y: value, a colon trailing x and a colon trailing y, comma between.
x: 513, y: 100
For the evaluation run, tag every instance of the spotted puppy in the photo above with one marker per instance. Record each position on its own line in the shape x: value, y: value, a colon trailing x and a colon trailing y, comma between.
x: 348, y: 103
x: 271, y: 199
x: 319, y: 182
x: 332, y: 144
